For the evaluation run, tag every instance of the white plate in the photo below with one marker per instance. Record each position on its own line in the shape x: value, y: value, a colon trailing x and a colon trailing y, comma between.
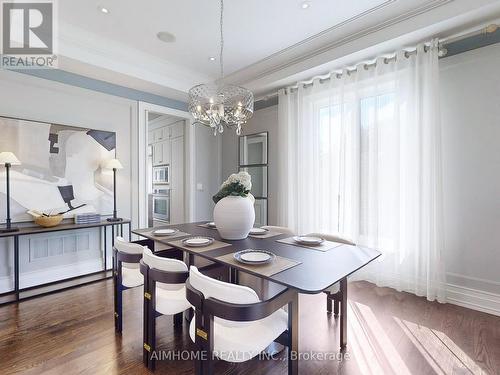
x: 308, y: 240
x: 211, y: 224
x: 258, y: 231
x: 255, y: 256
x: 165, y: 232
x: 199, y: 241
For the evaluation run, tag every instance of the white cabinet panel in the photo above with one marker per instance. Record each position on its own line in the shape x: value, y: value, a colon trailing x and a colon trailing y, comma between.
x: 177, y: 181
x: 177, y: 130
x: 166, y: 152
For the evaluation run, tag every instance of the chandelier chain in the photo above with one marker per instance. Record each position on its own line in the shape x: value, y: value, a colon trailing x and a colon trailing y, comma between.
x: 221, y: 57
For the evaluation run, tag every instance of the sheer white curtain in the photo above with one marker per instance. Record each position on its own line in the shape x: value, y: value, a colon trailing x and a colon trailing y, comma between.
x: 361, y: 155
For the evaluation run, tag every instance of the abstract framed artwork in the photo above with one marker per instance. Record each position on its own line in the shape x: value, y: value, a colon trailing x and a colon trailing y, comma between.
x: 60, y: 169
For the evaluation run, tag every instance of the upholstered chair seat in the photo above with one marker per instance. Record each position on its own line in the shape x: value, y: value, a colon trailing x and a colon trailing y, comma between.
x: 170, y: 298
x: 237, y: 341
x: 126, y: 273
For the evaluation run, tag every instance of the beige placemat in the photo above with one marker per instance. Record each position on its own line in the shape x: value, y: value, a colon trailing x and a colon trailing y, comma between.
x: 216, y: 245
x: 280, y: 264
x: 325, y: 245
x: 266, y: 235
x: 206, y: 226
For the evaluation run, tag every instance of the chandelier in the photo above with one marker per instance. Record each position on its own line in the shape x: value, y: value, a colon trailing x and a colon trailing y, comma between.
x: 218, y: 104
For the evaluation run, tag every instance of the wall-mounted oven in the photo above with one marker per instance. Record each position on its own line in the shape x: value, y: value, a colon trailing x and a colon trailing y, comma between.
x: 161, y: 204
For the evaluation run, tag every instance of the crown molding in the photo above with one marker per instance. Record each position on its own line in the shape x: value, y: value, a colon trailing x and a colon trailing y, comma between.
x: 239, y: 76
x: 84, y: 46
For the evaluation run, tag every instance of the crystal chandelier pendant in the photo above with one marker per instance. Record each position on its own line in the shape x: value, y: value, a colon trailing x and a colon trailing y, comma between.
x: 218, y: 105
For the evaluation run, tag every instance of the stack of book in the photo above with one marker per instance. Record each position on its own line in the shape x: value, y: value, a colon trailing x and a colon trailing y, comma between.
x: 91, y: 218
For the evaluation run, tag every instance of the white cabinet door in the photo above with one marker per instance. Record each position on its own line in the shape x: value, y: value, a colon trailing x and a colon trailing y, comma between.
x: 177, y: 181
x: 166, y: 152
x: 157, y: 153
x: 160, y: 134
x: 177, y: 130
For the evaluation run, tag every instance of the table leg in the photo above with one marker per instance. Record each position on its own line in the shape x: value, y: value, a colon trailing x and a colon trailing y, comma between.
x: 343, y: 314
x: 16, y: 266
x: 105, y: 254
x: 293, y: 335
x: 130, y: 232
x: 112, y: 234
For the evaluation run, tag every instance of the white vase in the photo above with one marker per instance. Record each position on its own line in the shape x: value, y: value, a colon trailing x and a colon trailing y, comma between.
x: 234, y: 217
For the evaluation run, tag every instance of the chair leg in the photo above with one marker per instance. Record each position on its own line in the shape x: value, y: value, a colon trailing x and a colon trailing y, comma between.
x: 328, y: 303
x: 293, y: 331
x: 145, y: 330
x: 178, y: 319
x: 118, y: 294
x: 152, y: 335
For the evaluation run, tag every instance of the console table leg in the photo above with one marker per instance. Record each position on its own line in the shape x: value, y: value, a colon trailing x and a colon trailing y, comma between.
x: 16, y: 266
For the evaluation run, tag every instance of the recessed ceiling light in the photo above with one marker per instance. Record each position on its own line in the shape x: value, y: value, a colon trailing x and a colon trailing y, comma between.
x: 211, y: 58
x: 305, y: 5
x: 166, y: 37
x: 103, y: 10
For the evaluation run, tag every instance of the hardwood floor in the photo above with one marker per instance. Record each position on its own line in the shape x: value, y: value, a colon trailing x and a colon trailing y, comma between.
x: 72, y: 332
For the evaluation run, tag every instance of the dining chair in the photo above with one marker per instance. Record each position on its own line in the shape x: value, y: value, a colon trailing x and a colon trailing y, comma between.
x: 231, y: 323
x: 164, y: 294
x: 333, y: 293
x: 274, y: 228
x: 126, y: 274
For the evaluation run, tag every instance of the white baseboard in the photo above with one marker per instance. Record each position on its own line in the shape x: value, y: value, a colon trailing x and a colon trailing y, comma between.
x: 474, y: 299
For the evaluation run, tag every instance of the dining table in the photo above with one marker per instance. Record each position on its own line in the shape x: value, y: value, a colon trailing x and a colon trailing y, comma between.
x: 308, y: 271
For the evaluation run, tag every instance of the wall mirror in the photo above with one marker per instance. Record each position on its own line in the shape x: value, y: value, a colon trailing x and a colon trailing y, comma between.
x: 253, y: 158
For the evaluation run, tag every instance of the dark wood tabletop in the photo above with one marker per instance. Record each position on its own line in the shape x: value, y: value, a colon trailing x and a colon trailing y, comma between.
x: 317, y: 271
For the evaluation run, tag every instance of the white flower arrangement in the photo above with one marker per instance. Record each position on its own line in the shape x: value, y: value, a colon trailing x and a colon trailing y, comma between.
x: 238, y: 184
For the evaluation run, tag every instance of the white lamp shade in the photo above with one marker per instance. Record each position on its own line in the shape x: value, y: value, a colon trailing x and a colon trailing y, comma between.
x: 112, y: 164
x: 9, y: 157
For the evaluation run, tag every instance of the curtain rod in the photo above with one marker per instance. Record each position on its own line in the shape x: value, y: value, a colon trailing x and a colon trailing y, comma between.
x: 335, y: 74
x: 442, y: 53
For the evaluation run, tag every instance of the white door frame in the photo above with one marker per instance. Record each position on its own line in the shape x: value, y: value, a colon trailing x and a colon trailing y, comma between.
x: 141, y: 189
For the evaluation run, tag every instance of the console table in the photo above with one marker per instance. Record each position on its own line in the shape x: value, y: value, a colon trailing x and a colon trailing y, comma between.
x: 18, y: 294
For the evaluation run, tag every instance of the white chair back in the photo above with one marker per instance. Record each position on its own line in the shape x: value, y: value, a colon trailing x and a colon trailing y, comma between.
x: 129, y: 248
x: 333, y: 238
x: 283, y: 230
x: 164, y: 264
x: 222, y: 291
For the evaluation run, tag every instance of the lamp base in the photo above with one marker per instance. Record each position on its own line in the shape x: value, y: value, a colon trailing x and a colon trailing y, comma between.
x: 114, y: 219
x: 9, y: 230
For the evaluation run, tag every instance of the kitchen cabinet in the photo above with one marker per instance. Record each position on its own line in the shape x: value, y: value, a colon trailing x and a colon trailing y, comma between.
x: 161, y: 153
x: 177, y: 129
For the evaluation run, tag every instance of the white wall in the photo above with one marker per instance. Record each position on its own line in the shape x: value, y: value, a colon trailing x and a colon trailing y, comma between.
x: 207, y: 171
x: 262, y: 120
x: 470, y: 103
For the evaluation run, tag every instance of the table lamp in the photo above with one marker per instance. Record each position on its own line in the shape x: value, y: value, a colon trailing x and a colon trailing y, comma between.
x: 8, y: 159
x: 113, y: 164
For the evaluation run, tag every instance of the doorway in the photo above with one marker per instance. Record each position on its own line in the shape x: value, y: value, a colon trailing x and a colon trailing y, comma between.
x: 165, y: 166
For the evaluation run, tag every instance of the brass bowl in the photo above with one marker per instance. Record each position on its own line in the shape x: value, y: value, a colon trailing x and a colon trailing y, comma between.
x: 49, y: 221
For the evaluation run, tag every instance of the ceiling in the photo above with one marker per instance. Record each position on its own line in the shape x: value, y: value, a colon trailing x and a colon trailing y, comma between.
x: 266, y: 41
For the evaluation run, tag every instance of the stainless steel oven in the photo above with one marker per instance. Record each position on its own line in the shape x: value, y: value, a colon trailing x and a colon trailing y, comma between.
x: 161, y: 174
x: 161, y: 204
